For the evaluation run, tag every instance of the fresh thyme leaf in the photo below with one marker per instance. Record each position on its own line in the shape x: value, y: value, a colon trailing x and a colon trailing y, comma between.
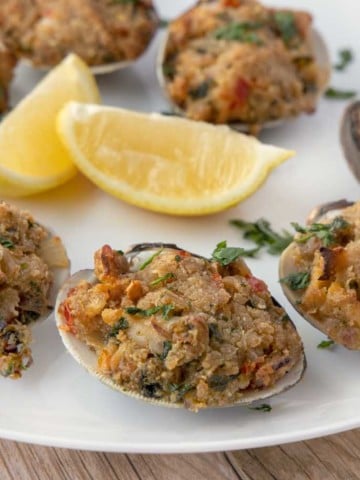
x: 326, y: 232
x: 164, y: 278
x: 226, y: 255
x: 345, y: 57
x: 262, y: 408
x: 167, y: 346
x: 297, y: 281
x: 285, y: 22
x: 326, y: 344
x: 261, y: 233
x: 239, y: 31
x: 149, y: 260
x: 121, y: 324
x: 5, y: 242
x: 337, y: 94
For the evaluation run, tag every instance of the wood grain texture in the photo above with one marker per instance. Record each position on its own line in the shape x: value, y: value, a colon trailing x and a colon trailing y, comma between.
x: 331, y: 458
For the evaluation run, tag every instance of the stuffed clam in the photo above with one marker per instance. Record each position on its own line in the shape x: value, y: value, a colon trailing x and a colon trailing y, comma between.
x: 242, y: 63
x: 107, y: 35
x: 320, y: 272
x: 33, y: 266
x: 175, y: 329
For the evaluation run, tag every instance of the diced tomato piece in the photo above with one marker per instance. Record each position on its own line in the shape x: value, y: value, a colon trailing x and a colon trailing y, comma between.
x: 257, y: 285
x: 241, y: 93
x: 69, y: 319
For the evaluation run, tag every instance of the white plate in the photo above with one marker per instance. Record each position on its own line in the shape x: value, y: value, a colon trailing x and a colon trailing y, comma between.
x: 57, y: 403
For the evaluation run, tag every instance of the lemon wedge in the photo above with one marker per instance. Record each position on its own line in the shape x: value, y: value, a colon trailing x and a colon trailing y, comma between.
x: 165, y: 164
x: 32, y: 157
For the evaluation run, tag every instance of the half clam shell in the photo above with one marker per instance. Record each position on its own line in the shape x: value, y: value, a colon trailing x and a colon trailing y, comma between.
x: 323, y: 61
x: 332, y: 274
x: 350, y: 137
x: 87, y: 357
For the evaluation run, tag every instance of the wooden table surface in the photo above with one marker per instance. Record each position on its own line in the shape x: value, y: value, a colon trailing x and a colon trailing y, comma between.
x: 335, y: 457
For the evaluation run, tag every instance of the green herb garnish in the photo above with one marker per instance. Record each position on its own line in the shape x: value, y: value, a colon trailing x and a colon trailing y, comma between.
x: 261, y: 233
x: 226, y: 255
x: 149, y: 260
x: 164, y: 309
x: 125, y: 2
x: 5, y: 242
x: 164, y: 278
x: 163, y: 23
x: 121, y: 324
x: 200, y: 91
x: 285, y: 22
x: 177, y: 258
x: 297, y: 281
x: 180, y: 389
x: 264, y: 407
x: 120, y: 252
x: 326, y: 344
x: 239, y: 31
x: 167, y: 346
x: 168, y: 70
x: 345, y: 57
x: 326, y: 232
x: 339, y: 94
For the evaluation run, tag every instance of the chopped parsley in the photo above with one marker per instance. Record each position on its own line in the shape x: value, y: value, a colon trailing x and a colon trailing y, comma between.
x: 177, y: 258
x: 326, y: 232
x: 226, y: 255
x: 180, y: 389
x: 163, y: 23
x: 201, y: 90
x: 167, y: 346
x: 162, y: 279
x: 149, y: 260
x: 261, y: 233
x: 239, y: 31
x: 164, y: 309
x: 126, y: 2
x: 326, y: 344
x: 345, y: 57
x: 337, y: 94
x: 264, y: 407
x: 5, y: 242
x: 297, y: 281
x: 168, y: 70
x: 285, y: 22
x: 121, y: 324
x: 120, y: 252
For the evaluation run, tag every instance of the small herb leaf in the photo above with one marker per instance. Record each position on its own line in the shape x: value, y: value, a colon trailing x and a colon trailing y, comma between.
x: 296, y: 281
x: 337, y: 94
x: 326, y: 344
x: 239, y: 31
x: 262, y: 408
x: 345, y: 57
x: 285, y: 22
x: 167, y: 346
x: 150, y: 259
x: 226, y: 255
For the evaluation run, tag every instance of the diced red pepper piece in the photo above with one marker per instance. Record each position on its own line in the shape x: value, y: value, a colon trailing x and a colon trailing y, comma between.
x: 257, y: 285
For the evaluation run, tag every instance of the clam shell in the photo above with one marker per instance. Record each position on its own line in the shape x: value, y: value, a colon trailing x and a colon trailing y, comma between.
x: 288, y: 265
x: 350, y: 137
x: 87, y: 357
x: 322, y: 58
